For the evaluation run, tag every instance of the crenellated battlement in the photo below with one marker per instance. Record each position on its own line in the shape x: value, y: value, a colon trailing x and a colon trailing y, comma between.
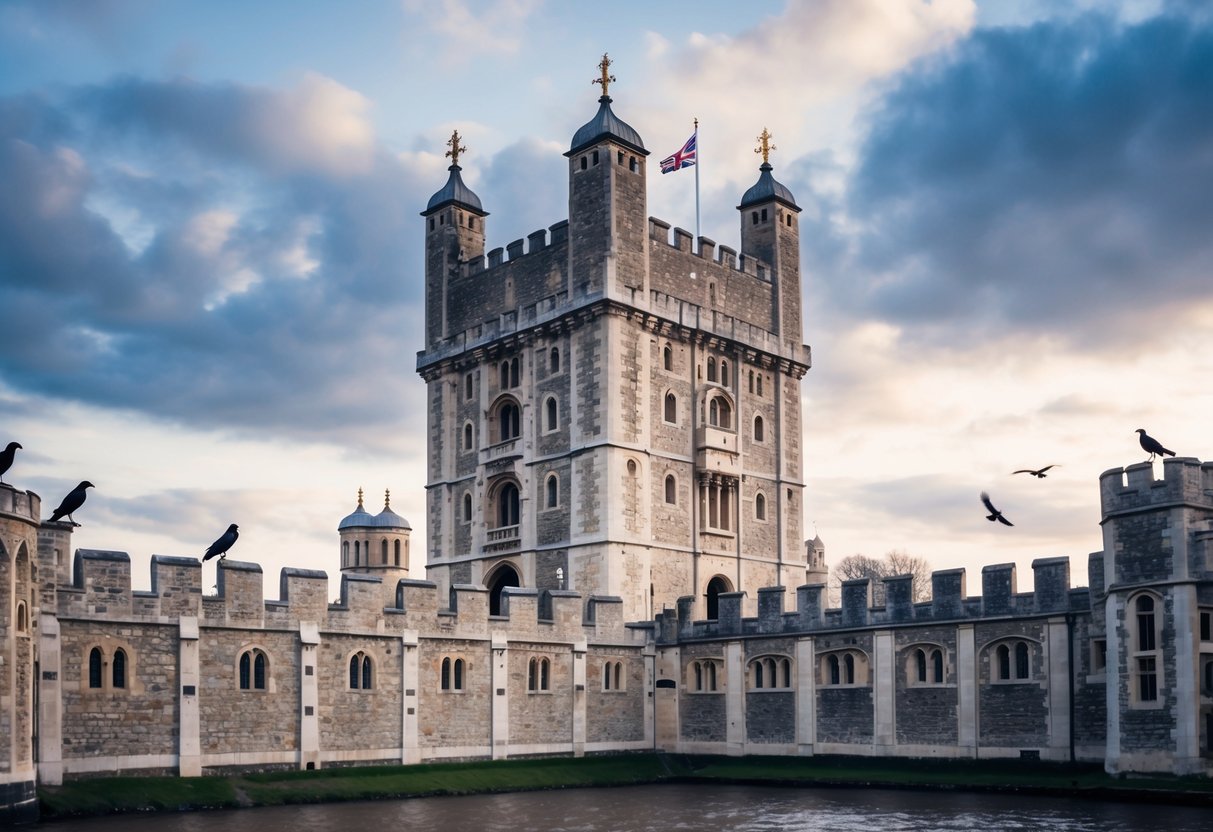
x: 709, y: 252
x: 20, y: 505
x: 101, y: 590
x: 1185, y: 481
x: 1053, y: 595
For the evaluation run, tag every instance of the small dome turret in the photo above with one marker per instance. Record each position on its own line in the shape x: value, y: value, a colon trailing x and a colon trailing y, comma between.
x: 605, y: 123
x: 359, y: 518
x: 388, y: 519
x: 767, y: 188
x: 455, y: 191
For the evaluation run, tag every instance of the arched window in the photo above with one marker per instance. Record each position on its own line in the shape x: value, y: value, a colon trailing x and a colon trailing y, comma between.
x: 467, y: 436
x: 94, y: 668
x: 698, y: 676
x: 760, y: 507
x: 22, y: 617
x: 396, y: 545
x: 508, y: 421
x: 771, y: 672
x: 751, y: 375
x: 920, y: 660
x: 671, y: 489
x: 118, y: 668
x: 758, y: 680
x: 538, y: 674
x: 720, y: 413
x: 554, y: 360
x: 848, y: 663
x: 355, y: 672
x: 724, y: 372
x: 1022, y: 668
x: 671, y: 409
x: 383, y: 551
x: 513, y: 372
x: 937, y: 666
x: 550, y: 414
x: 252, y: 670
x: 507, y: 505
x: 712, y: 676
x: 760, y: 384
x: 668, y: 357
x: 711, y: 368
x: 357, y: 551
x: 452, y: 673
x: 1004, y: 662
x: 503, y: 375
x: 467, y: 386
x: 845, y: 667
x: 467, y: 508
x: 1146, y: 658
x: 612, y: 676
x: 446, y: 673
x: 758, y: 429
x: 835, y: 675
x: 553, y: 491
x: 360, y: 671
x: 345, y: 553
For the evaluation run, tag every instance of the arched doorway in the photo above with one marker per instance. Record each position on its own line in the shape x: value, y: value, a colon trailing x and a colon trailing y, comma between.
x: 716, y: 586
x: 501, y: 577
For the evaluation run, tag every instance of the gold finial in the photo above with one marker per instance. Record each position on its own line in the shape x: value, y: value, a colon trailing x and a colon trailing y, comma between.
x: 359, y: 498
x: 606, y: 79
x: 387, y: 498
x: 765, y: 147
x: 456, y: 149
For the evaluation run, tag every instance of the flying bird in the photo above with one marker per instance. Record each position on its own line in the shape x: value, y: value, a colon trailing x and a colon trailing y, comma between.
x: 1151, y: 445
x: 6, y: 458
x: 72, y: 502
x: 220, y: 546
x: 994, y: 514
x: 1038, y: 473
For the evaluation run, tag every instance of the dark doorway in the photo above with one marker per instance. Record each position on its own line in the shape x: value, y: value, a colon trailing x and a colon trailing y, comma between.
x: 505, y: 575
x: 715, y: 586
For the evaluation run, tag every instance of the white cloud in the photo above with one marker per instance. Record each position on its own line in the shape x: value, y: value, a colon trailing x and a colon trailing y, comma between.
x: 476, y: 28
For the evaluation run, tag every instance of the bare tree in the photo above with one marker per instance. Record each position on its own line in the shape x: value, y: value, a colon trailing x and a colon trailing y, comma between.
x: 895, y: 562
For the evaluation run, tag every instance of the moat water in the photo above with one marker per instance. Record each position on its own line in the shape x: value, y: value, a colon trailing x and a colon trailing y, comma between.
x: 681, y: 807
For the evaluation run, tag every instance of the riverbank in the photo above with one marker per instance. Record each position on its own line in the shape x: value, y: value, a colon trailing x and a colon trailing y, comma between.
x: 101, y: 796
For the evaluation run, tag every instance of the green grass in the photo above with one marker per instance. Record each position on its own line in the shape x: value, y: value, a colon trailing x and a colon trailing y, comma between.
x: 129, y: 794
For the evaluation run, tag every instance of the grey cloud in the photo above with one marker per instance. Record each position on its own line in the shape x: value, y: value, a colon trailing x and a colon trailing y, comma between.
x: 284, y: 317
x: 1053, y: 178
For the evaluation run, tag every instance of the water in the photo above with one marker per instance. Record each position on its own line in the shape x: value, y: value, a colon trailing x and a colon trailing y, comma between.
x: 681, y: 807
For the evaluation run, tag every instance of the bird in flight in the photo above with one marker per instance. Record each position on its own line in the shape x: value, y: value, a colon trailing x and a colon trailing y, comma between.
x: 6, y: 458
x: 994, y: 514
x: 1151, y: 445
x: 1039, y: 473
x: 220, y: 546
x: 72, y: 502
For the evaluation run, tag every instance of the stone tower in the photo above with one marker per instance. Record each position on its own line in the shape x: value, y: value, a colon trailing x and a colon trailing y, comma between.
x: 1156, y: 591
x: 19, y: 608
x: 375, y: 544
x: 612, y: 410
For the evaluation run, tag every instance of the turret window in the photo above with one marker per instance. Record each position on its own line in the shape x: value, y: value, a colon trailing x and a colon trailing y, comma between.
x: 397, y: 553
x: 1146, y: 657
x: 620, y: 157
x: 754, y: 218
x: 760, y: 507
x: 383, y: 551
x: 670, y: 417
x: 632, y: 165
x: 467, y: 436
x: 594, y: 156
x: 552, y: 491
x: 554, y: 360
x: 668, y: 357
x: 467, y: 508
x: 584, y: 163
x: 551, y: 415
x: 724, y: 373
x: 758, y: 429
x: 468, y: 387
x: 671, y: 489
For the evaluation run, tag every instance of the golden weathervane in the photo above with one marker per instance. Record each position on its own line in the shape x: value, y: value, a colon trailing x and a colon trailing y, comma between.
x: 765, y: 147
x: 456, y: 148
x: 607, y: 78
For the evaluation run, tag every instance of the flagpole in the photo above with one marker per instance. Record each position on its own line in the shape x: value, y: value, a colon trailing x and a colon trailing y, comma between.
x: 698, y: 156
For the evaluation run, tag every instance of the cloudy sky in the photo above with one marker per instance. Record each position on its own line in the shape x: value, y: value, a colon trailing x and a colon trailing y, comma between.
x: 210, y: 248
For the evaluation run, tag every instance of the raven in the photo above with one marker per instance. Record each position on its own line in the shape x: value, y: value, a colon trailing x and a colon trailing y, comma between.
x: 1039, y: 473
x: 994, y: 514
x: 220, y: 546
x: 6, y: 458
x: 72, y: 502
x: 1151, y: 445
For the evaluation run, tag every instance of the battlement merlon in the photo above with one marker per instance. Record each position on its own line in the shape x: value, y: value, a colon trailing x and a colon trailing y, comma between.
x: 1186, y: 482
x: 22, y: 505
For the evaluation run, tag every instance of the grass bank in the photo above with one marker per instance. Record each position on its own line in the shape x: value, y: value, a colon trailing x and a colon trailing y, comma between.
x: 140, y: 794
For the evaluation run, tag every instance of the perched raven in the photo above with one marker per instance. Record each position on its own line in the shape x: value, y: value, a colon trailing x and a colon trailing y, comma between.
x: 994, y: 514
x: 220, y: 546
x: 6, y: 458
x: 1151, y: 445
x: 72, y: 502
x: 1038, y: 473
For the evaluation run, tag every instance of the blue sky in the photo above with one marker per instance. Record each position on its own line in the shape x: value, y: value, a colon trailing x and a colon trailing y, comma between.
x: 210, y: 268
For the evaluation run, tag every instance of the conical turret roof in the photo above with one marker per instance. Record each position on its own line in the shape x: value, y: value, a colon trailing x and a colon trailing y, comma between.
x: 606, y: 124
x: 767, y: 188
x: 455, y: 192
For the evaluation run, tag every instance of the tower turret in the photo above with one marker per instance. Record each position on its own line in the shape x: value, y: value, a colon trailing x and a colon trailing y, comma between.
x: 454, y: 234
x: 770, y: 232
x: 608, y: 216
x: 375, y: 544
x: 816, y: 571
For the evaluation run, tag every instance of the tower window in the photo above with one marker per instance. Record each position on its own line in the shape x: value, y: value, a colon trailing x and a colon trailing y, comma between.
x: 789, y: 219
x: 507, y: 422
x: 754, y: 218
x: 671, y: 409
x: 584, y: 163
x: 431, y: 223
x: 667, y: 357
x: 594, y: 156
x: 554, y: 360
x: 383, y: 551
x: 1146, y: 656
x: 764, y: 214
x: 760, y: 507
x: 671, y: 489
x: 620, y: 157
x: 94, y: 668
x: 471, y: 221
x: 751, y: 381
x: 553, y: 491
x: 551, y: 415
x: 467, y: 386
x: 758, y: 429
x: 632, y: 164
x: 724, y: 373
x: 760, y: 384
x: 507, y: 505
x: 467, y: 436
x: 360, y: 671
x: 397, y: 552
x: 252, y: 670
x: 467, y: 508
x: 711, y: 368
x: 720, y: 414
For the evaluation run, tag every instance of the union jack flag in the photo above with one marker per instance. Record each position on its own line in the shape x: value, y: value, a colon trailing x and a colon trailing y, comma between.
x: 684, y: 158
